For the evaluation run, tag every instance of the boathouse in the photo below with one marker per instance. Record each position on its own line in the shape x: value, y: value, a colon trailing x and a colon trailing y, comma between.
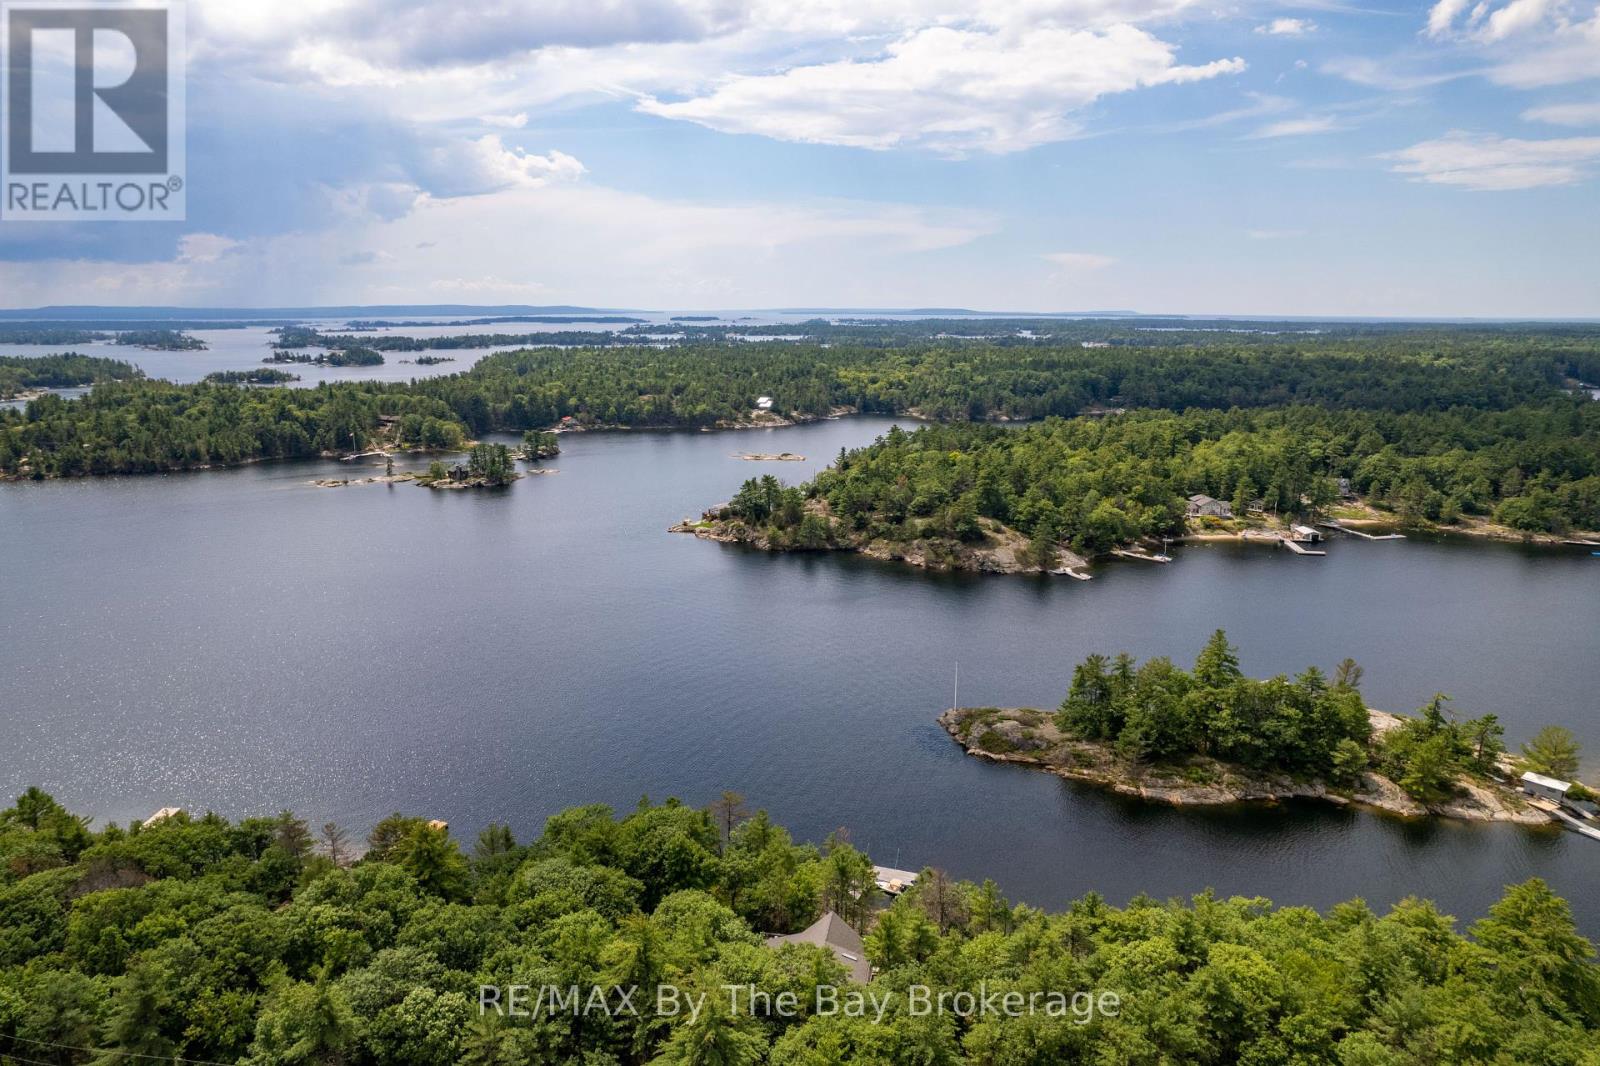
x: 1304, y: 534
x: 834, y: 933
x: 1549, y: 788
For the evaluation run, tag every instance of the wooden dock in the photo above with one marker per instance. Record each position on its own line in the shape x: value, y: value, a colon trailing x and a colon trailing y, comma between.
x: 1300, y: 549
x: 1141, y: 556
x: 1359, y: 533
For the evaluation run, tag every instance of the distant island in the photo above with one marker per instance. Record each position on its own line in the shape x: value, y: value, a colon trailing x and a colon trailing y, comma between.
x: 354, y: 356
x: 160, y: 340
x: 1213, y: 737
x: 259, y: 376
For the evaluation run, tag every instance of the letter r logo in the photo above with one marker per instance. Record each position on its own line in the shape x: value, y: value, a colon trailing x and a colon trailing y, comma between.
x: 87, y: 90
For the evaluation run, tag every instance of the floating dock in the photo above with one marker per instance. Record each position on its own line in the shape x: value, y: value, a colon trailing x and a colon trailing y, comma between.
x: 1300, y: 549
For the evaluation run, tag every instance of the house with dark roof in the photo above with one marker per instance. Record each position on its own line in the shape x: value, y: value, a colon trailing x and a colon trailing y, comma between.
x: 834, y: 933
x: 1203, y: 506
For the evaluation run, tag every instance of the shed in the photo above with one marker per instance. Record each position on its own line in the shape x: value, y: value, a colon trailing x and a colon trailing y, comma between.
x: 1546, y: 787
x: 764, y: 403
x: 1305, y: 534
x: 834, y: 933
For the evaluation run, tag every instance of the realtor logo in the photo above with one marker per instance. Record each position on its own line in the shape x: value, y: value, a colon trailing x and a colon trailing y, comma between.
x: 93, y: 118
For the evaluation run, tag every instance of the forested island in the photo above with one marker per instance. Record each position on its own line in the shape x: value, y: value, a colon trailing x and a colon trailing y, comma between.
x: 1214, y: 736
x: 1494, y: 390
x: 259, y: 376
x: 352, y: 356
x: 25, y: 374
x: 160, y: 340
x: 264, y: 941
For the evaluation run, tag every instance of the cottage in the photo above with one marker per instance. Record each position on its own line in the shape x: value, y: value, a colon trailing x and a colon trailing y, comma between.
x: 834, y: 933
x: 763, y: 403
x: 1203, y: 506
x: 1549, y: 788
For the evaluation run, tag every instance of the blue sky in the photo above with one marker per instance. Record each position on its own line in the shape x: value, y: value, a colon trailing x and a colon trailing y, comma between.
x: 1045, y: 155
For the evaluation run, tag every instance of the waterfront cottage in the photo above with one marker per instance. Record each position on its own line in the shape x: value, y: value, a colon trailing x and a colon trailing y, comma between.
x: 834, y: 933
x: 1203, y: 506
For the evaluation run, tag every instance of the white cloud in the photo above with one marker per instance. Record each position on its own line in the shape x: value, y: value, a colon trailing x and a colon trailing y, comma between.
x: 204, y: 247
x: 596, y: 246
x: 793, y: 69
x: 487, y: 165
x: 1286, y: 27
x: 1528, y: 42
x: 1580, y: 114
x: 505, y: 122
x: 947, y: 90
x: 1386, y: 73
x: 1297, y: 127
x: 1488, y: 163
x: 1079, y: 260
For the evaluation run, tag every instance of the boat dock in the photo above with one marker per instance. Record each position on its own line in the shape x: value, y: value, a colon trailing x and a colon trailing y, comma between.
x: 1359, y: 533
x: 1300, y: 549
x: 1142, y: 556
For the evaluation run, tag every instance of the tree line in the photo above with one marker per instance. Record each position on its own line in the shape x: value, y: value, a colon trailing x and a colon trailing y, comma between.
x: 269, y: 943
x: 1382, y: 377
x: 1095, y: 483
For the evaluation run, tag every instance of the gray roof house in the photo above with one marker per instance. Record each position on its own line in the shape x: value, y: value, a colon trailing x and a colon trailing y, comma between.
x: 834, y: 933
x: 1203, y: 506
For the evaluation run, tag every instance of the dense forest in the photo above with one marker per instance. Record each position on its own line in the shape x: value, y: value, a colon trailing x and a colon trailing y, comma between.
x: 1308, y: 726
x: 1458, y: 376
x: 1096, y: 483
x: 19, y: 373
x: 264, y: 942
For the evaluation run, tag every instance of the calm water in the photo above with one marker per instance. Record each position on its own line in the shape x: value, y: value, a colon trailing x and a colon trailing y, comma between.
x: 242, y: 641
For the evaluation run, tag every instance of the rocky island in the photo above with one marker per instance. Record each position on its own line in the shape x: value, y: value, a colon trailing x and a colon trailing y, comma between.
x: 1030, y: 737
x: 1214, y: 737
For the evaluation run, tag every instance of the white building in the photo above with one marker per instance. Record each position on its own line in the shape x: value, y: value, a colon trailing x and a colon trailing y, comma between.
x: 1549, y: 788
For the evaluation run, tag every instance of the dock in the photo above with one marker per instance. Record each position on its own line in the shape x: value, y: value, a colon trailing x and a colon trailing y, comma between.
x: 891, y: 881
x: 1578, y: 826
x: 1069, y: 572
x: 1300, y: 549
x: 1359, y: 533
x: 1141, y: 556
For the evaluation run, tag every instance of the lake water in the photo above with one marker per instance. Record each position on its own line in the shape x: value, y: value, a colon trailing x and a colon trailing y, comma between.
x: 243, y: 641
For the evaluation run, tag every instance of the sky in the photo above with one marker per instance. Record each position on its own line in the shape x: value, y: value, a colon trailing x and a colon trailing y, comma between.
x: 1162, y: 156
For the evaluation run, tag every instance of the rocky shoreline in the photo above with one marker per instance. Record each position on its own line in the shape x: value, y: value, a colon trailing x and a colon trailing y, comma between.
x: 1029, y: 737
x: 1002, y: 551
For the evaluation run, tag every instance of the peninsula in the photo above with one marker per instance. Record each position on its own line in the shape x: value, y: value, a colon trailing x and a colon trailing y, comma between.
x: 1048, y: 496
